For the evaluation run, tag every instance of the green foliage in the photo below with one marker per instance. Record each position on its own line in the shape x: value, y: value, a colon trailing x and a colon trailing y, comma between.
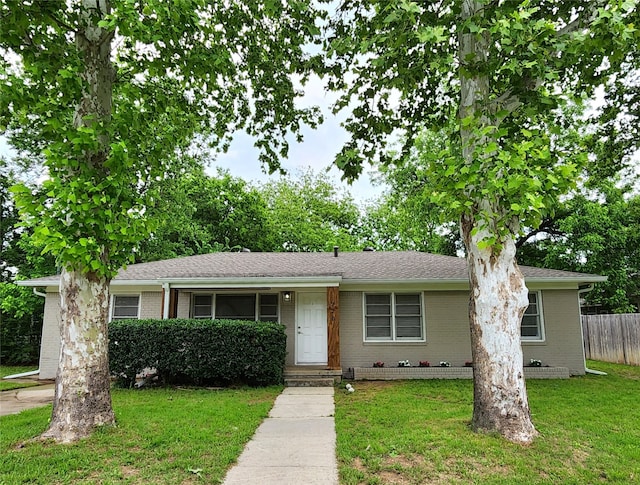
x: 20, y: 310
x: 110, y: 100
x: 20, y: 324
x: 197, y: 214
x: 500, y: 69
x: 405, y: 218
x: 198, y: 351
x: 310, y: 214
x: 598, y: 232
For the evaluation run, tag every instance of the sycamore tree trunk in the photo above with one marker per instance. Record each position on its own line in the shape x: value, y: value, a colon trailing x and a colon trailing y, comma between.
x: 82, y: 396
x: 498, y: 300
x: 499, y: 296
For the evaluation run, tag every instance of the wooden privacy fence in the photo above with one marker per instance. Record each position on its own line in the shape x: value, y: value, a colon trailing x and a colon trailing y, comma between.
x: 612, y: 338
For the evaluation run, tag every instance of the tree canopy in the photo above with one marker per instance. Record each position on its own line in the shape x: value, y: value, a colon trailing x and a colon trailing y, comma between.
x: 500, y: 70
x: 110, y: 97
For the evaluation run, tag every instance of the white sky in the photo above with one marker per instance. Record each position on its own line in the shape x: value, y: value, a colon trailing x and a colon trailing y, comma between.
x: 317, y: 151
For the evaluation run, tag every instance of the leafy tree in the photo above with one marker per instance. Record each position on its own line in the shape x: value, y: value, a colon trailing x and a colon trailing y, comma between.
x: 597, y: 233
x: 197, y: 213
x: 405, y: 218
x: 615, y: 126
x: 500, y: 69
x: 20, y: 310
x: 109, y: 95
x: 308, y: 213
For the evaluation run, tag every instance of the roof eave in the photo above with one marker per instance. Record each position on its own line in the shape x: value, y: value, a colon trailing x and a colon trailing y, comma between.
x: 252, y: 281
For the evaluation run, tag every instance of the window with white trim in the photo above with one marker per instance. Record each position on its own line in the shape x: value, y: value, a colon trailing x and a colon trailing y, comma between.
x: 531, y: 327
x: 393, y: 316
x: 125, y: 306
x: 243, y: 306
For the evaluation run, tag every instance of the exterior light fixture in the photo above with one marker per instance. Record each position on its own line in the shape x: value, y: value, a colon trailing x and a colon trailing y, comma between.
x: 287, y: 296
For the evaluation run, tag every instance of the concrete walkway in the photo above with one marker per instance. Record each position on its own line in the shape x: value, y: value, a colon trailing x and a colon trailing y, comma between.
x: 16, y: 400
x: 295, y: 444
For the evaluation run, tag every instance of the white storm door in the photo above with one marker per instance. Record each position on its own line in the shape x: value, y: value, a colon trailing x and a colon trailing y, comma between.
x: 311, y: 331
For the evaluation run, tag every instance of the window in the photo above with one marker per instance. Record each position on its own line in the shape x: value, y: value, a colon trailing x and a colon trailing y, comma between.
x: 236, y: 307
x: 393, y: 316
x: 531, y: 327
x: 124, y: 307
x: 268, y: 308
x: 202, y: 306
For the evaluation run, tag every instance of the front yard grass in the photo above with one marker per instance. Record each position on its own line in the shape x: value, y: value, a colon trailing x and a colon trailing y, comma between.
x: 162, y: 436
x: 403, y: 432
x: 8, y: 370
x: 417, y: 432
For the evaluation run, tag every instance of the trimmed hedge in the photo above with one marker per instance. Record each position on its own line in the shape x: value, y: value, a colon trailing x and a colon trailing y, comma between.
x: 198, y: 351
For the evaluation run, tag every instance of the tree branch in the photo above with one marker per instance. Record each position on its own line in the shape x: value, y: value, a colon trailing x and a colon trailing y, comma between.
x: 580, y: 22
x: 546, y: 227
x: 60, y: 23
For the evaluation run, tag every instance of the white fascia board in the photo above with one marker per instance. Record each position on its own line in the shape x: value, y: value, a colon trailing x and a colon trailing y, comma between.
x: 253, y: 282
x: 136, y: 283
x: 460, y: 284
x: 562, y: 283
x: 39, y: 284
x: 413, y: 285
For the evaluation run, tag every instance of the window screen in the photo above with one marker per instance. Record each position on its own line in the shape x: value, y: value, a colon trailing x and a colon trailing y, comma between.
x: 125, y: 307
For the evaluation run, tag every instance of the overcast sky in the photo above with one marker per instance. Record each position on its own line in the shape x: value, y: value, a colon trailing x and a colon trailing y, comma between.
x: 317, y: 151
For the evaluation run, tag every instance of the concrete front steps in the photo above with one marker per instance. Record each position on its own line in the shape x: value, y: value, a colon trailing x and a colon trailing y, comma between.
x: 311, y: 376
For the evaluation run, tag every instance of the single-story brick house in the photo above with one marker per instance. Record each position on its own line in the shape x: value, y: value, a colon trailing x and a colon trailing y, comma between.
x: 341, y: 310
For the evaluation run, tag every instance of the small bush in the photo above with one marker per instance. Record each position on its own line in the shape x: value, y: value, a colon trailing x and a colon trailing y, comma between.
x: 198, y: 351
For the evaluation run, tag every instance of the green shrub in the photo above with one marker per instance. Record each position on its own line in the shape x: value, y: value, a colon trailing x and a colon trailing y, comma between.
x: 198, y: 351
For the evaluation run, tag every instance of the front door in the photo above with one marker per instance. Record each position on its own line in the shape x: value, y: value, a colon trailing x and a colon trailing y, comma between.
x: 311, y: 335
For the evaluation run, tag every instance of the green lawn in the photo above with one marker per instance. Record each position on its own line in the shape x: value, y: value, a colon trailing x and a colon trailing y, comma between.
x: 416, y: 432
x: 163, y: 436
x: 411, y: 432
x: 7, y: 370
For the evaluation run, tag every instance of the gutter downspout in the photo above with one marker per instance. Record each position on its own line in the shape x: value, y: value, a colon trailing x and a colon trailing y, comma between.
x: 32, y: 372
x: 23, y: 374
x: 586, y: 289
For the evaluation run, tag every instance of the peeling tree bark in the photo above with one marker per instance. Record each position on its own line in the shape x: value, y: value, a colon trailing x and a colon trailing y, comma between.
x: 498, y: 300
x: 499, y: 295
x: 82, y: 395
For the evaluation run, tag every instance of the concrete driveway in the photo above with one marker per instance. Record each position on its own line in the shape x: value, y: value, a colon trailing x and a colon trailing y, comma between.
x: 17, y: 400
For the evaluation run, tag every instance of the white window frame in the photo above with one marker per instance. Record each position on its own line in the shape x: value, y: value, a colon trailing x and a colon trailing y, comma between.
x: 214, y: 299
x: 540, y: 318
x: 393, y: 338
x: 112, y: 305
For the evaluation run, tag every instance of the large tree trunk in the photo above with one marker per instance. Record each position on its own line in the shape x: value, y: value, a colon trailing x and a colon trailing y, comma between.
x: 498, y: 300
x: 82, y: 396
x: 499, y: 296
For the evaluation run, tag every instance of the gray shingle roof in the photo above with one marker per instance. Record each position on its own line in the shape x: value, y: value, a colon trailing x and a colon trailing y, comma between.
x: 355, y: 266
x: 400, y: 265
